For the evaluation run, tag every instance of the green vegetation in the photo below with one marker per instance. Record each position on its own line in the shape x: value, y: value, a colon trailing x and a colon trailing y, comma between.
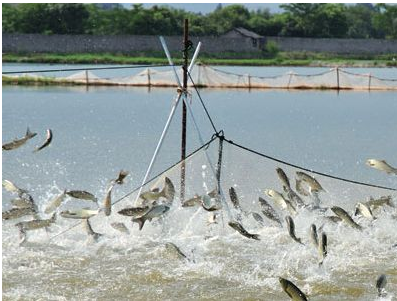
x: 321, y: 20
x: 281, y: 59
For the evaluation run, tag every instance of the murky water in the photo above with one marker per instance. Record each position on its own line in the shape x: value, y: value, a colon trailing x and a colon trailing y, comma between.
x: 98, y: 131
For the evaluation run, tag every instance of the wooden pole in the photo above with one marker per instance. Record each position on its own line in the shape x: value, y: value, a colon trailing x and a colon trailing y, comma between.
x: 184, y: 87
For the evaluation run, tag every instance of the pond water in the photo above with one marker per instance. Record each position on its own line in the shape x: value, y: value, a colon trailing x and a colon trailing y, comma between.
x: 100, y: 130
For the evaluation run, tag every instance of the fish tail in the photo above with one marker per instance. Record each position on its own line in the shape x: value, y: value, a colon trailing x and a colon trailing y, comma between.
x: 29, y: 134
x: 140, y: 221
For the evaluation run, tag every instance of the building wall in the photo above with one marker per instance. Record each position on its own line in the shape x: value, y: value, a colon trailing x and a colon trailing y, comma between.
x: 28, y: 43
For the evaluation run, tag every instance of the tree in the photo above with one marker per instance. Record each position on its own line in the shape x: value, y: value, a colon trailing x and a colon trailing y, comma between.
x: 385, y: 20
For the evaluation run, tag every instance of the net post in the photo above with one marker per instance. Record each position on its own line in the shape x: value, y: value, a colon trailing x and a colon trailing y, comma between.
x: 148, y: 77
x: 86, y: 77
x: 337, y: 78
x: 219, y: 164
x: 369, y: 82
x: 184, y: 109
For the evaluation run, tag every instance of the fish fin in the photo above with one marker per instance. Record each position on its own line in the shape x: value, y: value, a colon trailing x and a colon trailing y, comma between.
x: 255, y: 236
x: 140, y: 222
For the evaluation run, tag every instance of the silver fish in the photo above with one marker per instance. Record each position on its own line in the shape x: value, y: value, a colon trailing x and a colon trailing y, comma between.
x: 11, y: 187
x: 120, y: 178
x: 154, y: 212
x: 175, y: 251
x: 19, y: 142
x: 17, y: 213
x: 55, y: 203
x: 134, y: 211
x: 292, y: 290
x: 36, y: 224
x: 81, y: 194
x: 47, y: 141
x: 294, y: 197
x: 323, y: 247
x: 279, y: 199
x: 107, y: 202
x: 363, y: 210
x: 346, y: 217
x: 24, y: 201
x: 168, y: 192
x: 79, y: 213
x: 382, y: 201
x: 334, y: 219
x: 269, y: 212
x: 120, y: 227
x: 313, y: 235
x: 258, y: 218
x: 310, y: 180
x: 380, y: 285
x: 300, y: 188
x: 194, y: 201
x: 240, y: 229
x: 291, y: 229
x: 283, y: 177
x: 208, y: 205
x: 234, y: 198
x: 381, y: 165
x: 87, y: 226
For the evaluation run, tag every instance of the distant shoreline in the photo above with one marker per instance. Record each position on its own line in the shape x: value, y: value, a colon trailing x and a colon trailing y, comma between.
x: 282, y: 59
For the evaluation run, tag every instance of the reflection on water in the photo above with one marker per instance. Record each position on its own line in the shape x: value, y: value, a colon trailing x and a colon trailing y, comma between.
x: 100, y: 130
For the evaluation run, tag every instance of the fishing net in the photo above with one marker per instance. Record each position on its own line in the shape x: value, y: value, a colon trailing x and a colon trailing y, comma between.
x: 205, y: 76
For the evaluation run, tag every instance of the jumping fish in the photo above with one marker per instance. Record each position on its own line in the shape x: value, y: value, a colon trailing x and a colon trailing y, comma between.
x: 283, y: 178
x: 310, y: 181
x: 175, y: 251
x: 168, y: 192
x: 291, y: 229
x: 194, y: 201
x: 120, y: 178
x: 156, y: 211
x: 208, y: 205
x: 47, y: 141
x: 346, y: 217
x: 24, y: 201
x: 300, y: 188
x: 11, y: 187
x: 380, y: 285
x: 87, y: 226
x: 234, y: 198
x: 107, y: 202
x: 36, y: 224
x: 269, y: 212
x: 292, y: 290
x: 363, y: 210
x: 17, y: 213
x: 381, y: 165
x: 120, y: 227
x: 294, y: 197
x: 239, y: 228
x: 258, y: 218
x: 376, y: 203
x: 55, y: 203
x: 134, y: 211
x: 19, y: 142
x: 79, y: 213
x: 81, y: 194
x: 314, y: 235
x: 280, y: 200
x: 323, y: 247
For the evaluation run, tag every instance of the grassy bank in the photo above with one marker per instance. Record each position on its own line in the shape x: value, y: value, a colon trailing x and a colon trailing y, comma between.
x: 281, y: 59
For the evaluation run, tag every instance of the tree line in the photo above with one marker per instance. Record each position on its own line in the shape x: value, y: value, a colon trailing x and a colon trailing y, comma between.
x: 320, y: 20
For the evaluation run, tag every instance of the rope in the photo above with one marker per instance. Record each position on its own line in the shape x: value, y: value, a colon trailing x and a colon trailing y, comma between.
x: 202, y: 103
x: 83, y: 69
x: 148, y: 181
x: 306, y: 169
